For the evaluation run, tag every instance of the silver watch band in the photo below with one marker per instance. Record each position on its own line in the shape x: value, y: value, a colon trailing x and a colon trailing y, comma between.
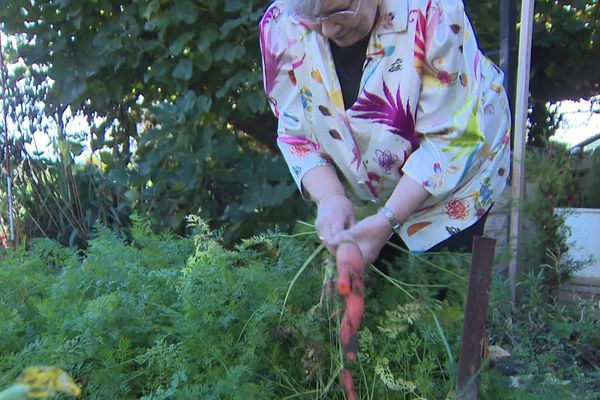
x: 396, y: 226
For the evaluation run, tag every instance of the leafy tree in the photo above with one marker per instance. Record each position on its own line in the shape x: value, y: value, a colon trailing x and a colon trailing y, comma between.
x: 565, y: 51
x: 565, y: 46
x: 565, y: 55
x: 171, y: 91
x: 173, y: 94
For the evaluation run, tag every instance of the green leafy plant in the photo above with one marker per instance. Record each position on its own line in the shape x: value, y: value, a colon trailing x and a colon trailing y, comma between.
x: 159, y: 316
x: 551, y: 186
x: 554, y: 346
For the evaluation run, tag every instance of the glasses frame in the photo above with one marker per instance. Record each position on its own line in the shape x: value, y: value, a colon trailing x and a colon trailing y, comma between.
x: 318, y: 20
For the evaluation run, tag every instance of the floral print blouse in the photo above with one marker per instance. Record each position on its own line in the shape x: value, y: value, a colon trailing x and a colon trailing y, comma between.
x: 430, y: 106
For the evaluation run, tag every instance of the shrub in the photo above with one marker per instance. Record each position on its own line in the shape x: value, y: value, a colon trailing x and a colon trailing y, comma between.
x: 552, y: 185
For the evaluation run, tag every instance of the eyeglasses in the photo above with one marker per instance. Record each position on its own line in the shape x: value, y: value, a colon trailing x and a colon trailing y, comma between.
x: 337, y: 17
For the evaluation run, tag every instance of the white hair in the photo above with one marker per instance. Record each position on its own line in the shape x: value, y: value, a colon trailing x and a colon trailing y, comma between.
x: 303, y: 7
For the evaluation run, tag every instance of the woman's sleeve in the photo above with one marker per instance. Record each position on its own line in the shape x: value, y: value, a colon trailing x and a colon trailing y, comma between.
x: 462, y: 106
x: 281, y: 54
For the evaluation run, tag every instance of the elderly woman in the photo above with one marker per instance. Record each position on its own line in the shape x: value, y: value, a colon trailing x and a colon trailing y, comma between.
x: 394, y: 100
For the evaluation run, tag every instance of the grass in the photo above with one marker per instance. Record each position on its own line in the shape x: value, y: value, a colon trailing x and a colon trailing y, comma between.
x: 555, y: 346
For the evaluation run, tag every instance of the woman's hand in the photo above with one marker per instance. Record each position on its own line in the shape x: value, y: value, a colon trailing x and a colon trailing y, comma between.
x: 335, y: 213
x: 370, y: 235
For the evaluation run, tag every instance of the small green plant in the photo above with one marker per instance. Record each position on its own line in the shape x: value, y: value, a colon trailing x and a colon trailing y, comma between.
x: 554, y: 346
x: 545, y: 248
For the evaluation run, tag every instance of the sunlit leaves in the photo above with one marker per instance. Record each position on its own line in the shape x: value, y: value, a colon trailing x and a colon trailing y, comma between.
x: 566, y: 45
x: 151, y: 8
x: 177, y: 47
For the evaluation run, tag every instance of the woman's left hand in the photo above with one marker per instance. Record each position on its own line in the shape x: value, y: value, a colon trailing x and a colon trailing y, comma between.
x: 370, y: 235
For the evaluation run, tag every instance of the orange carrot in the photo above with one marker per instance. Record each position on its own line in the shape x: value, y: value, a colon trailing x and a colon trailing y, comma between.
x: 349, y: 263
x: 343, y: 287
x: 355, y: 306
x: 351, y: 286
x: 347, y: 384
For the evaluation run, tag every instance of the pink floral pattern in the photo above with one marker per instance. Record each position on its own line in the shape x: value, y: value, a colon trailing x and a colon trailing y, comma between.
x: 388, y: 111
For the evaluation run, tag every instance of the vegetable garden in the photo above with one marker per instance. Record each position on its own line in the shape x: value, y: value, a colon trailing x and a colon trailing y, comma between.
x: 160, y: 251
x: 159, y: 316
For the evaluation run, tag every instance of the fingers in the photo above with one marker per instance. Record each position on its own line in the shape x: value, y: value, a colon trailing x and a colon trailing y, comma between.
x: 351, y: 222
x: 349, y: 261
x: 329, y: 231
x: 327, y: 236
x: 335, y: 214
x: 369, y: 235
x: 334, y: 238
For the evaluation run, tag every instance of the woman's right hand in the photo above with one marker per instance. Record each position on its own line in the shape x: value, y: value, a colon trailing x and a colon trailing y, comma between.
x: 335, y: 213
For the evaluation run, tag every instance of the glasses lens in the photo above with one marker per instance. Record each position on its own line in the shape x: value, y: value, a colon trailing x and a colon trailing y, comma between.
x: 339, y: 17
x: 309, y: 19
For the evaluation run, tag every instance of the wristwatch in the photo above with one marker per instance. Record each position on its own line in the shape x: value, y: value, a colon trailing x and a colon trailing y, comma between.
x: 396, y: 226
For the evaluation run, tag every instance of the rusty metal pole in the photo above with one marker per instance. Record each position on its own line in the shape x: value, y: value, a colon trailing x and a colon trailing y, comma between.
x: 473, y: 337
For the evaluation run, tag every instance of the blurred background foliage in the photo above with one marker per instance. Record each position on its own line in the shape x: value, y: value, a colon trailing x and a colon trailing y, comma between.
x: 178, y: 124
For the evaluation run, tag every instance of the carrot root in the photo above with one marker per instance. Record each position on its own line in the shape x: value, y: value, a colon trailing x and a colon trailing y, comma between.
x: 347, y: 384
x: 343, y: 287
x: 351, y: 287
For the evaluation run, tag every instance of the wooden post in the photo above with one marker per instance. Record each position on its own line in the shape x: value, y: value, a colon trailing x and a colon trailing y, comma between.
x: 520, y: 138
x: 472, y: 343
